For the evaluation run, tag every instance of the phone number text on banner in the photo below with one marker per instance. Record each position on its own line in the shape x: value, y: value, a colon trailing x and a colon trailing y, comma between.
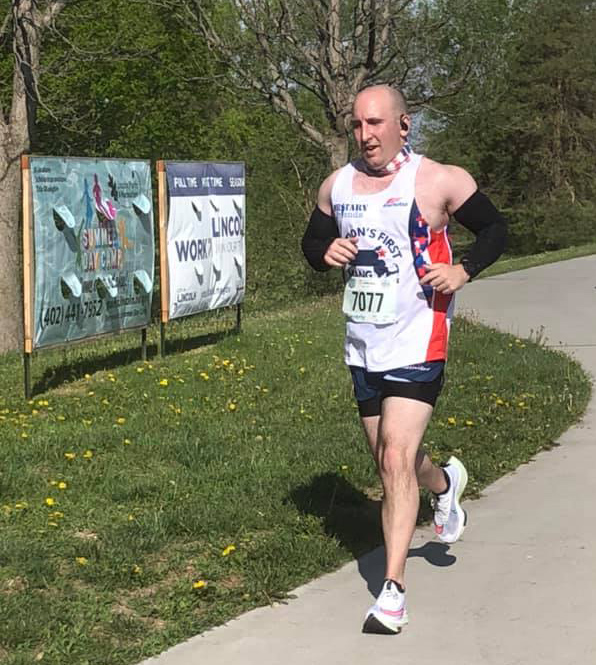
x: 206, y: 236
x: 94, y: 252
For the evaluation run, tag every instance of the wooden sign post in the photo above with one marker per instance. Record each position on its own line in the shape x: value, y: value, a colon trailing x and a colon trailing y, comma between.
x: 164, y: 286
x: 28, y: 266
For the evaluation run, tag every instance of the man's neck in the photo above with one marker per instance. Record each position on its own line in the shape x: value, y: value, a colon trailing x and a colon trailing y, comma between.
x: 393, y: 166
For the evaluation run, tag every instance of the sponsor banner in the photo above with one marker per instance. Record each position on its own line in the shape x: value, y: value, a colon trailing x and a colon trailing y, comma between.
x: 94, y: 251
x: 205, y: 239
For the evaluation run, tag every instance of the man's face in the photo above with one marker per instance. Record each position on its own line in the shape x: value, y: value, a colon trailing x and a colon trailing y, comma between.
x: 376, y: 127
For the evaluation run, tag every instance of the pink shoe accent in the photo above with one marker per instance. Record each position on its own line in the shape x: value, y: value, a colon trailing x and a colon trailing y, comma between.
x: 393, y: 613
x: 439, y: 529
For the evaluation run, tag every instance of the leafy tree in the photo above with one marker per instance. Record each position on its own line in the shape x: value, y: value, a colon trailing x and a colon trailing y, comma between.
x: 527, y: 129
x: 138, y: 94
x: 309, y: 59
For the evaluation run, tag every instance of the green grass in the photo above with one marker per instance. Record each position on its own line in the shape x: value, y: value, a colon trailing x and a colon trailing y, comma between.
x: 239, y: 464
x: 508, y: 264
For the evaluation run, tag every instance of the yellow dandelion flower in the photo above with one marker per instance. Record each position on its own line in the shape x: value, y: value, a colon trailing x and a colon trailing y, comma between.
x: 87, y: 376
x: 131, y: 518
x: 34, y: 412
x: 91, y: 393
x: 49, y: 501
x: 199, y: 584
x: 120, y: 421
x: 62, y: 485
x: 87, y: 422
x: 140, y: 369
x: 228, y: 550
x: 451, y: 420
x: 105, y: 402
x: 88, y: 454
x: 344, y: 467
x: 522, y: 404
x: 70, y: 455
x: 137, y: 570
x: 302, y: 370
x: 232, y: 406
x: 127, y: 442
x: 204, y: 376
x: 470, y: 423
x: 163, y: 382
x: 81, y: 560
x: 24, y: 435
x: 499, y: 401
x: 53, y: 482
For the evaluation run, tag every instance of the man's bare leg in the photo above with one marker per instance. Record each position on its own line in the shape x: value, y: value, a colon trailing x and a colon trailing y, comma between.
x: 429, y: 475
x: 394, y: 439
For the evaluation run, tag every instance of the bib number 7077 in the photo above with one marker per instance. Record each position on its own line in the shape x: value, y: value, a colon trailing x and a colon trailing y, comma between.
x: 370, y: 300
x: 367, y: 301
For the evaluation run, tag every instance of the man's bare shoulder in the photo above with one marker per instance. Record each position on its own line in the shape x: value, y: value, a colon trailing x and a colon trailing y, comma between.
x: 453, y: 184
x: 324, y: 196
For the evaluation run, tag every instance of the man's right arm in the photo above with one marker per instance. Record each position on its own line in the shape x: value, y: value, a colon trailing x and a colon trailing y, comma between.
x: 321, y: 244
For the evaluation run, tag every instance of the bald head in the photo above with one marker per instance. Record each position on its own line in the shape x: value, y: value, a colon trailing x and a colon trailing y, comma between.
x: 395, y: 97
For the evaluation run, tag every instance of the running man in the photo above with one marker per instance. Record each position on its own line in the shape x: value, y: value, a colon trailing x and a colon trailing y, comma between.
x: 383, y: 220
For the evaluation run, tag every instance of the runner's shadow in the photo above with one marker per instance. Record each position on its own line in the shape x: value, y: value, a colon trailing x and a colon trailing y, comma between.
x: 372, y: 565
x: 354, y: 520
x: 346, y: 513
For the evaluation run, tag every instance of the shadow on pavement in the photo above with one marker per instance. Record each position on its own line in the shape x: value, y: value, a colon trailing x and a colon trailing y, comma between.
x: 354, y: 519
x: 372, y: 565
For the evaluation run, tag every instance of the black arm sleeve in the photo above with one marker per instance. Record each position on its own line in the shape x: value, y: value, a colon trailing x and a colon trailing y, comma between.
x: 481, y: 217
x: 320, y: 233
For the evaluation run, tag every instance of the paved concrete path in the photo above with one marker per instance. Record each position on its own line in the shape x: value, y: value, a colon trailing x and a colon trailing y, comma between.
x: 520, y: 588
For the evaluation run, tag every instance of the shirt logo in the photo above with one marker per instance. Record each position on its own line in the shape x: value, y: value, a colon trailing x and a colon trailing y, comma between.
x: 349, y: 210
x: 394, y: 202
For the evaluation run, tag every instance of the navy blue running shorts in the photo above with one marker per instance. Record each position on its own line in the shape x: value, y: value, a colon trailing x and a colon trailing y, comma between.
x: 371, y: 388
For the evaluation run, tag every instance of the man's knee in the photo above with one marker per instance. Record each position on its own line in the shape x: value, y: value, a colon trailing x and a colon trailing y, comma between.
x: 396, y: 458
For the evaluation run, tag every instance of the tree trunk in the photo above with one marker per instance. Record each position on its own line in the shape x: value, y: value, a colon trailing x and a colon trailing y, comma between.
x: 337, y: 148
x: 11, y: 282
x: 17, y: 123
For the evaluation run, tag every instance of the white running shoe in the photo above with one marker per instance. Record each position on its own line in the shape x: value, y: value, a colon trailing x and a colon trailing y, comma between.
x: 388, y: 614
x: 450, y: 517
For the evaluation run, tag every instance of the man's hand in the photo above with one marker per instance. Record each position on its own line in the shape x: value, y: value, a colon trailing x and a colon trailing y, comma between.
x: 340, y: 252
x: 445, y: 278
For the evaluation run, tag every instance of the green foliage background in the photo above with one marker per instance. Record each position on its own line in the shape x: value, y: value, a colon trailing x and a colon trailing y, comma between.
x: 526, y: 127
x: 128, y: 79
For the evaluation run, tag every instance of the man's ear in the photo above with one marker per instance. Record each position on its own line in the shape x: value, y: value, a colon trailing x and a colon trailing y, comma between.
x: 404, y: 123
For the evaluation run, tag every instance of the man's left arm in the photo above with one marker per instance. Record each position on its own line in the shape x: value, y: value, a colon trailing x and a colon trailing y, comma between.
x: 473, y: 210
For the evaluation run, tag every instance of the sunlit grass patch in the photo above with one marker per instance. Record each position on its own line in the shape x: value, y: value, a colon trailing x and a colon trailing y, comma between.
x: 152, y: 500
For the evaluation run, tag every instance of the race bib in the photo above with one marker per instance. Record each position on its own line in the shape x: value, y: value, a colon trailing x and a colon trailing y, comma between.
x: 369, y: 300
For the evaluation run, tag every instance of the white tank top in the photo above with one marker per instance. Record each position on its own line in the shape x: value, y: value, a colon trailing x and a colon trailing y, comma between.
x: 394, y: 242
